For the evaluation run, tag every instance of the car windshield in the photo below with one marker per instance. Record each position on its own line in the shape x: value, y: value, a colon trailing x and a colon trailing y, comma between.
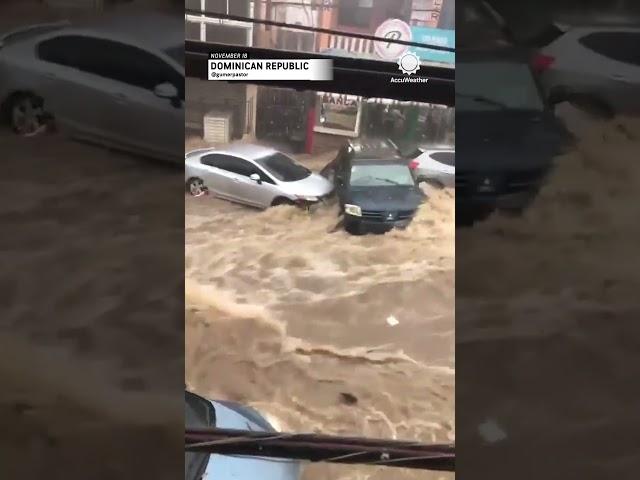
x: 380, y: 175
x: 283, y: 167
x: 176, y: 53
x: 496, y: 86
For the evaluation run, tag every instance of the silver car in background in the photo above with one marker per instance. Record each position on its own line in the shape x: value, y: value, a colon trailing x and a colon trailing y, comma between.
x: 253, y: 175
x: 203, y: 413
x: 118, y: 82
x: 435, y: 165
x: 594, y: 67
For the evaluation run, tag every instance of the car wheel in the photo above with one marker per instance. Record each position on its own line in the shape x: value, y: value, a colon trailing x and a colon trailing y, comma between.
x: 195, y: 186
x: 26, y: 114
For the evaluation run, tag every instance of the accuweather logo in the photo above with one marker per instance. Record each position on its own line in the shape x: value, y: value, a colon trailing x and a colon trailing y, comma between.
x: 408, y: 64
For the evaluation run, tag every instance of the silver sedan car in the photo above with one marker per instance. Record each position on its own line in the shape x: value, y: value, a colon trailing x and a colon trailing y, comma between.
x: 118, y: 82
x: 253, y: 175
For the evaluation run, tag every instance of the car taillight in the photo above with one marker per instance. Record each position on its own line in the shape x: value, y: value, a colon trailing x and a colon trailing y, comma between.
x: 541, y: 62
x: 413, y: 165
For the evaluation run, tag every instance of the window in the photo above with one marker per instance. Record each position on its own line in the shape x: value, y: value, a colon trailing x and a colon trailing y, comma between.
x: 192, y: 4
x: 619, y: 46
x: 217, y: 160
x: 235, y: 7
x: 355, y: 13
x: 446, y: 158
x: 113, y: 60
x: 234, y: 165
x: 495, y: 85
x: 60, y: 50
x: 283, y: 168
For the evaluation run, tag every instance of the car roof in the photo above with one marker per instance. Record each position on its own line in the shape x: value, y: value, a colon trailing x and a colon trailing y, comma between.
x: 246, y: 150
x: 151, y: 30
x: 436, y: 148
x: 379, y: 161
x: 372, y: 149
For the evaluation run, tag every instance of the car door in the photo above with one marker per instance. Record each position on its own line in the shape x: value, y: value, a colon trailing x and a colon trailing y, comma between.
x: 245, y: 190
x: 214, y: 171
x: 330, y: 171
x: 66, y: 62
x: 258, y: 193
x: 143, y: 121
x: 341, y: 180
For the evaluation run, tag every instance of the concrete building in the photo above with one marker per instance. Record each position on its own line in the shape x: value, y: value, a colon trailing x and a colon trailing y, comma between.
x: 202, y: 96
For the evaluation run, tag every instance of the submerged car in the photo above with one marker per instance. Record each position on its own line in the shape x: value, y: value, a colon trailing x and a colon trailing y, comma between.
x: 203, y: 413
x: 434, y: 165
x: 375, y: 187
x: 510, y: 138
x: 128, y: 68
x: 253, y: 175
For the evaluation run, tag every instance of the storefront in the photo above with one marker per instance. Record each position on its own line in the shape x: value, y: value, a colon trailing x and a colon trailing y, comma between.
x: 402, y: 122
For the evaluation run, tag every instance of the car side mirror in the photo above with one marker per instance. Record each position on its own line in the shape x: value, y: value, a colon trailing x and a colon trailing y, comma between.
x: 256, y: 178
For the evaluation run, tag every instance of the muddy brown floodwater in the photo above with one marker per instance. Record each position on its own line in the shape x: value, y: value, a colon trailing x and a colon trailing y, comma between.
x: 546, y: 316
x: 82, y: 333
x: 292, y: 319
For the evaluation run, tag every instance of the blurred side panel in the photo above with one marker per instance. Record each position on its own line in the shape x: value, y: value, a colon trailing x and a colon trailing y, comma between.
x: 92, y: 250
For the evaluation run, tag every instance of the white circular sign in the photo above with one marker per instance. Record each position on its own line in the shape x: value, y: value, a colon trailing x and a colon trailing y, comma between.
x: 393, y: 29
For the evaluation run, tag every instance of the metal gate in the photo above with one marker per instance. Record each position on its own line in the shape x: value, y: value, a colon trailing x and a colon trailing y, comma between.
x: 282, y: 115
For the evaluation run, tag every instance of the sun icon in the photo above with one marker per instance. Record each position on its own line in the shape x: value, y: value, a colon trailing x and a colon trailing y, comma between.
x: 409, y: 63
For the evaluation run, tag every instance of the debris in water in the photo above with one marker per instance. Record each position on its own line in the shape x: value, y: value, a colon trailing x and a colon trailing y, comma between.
x: 348, y: 398
x: 491, y: 432
x: 392, y: 321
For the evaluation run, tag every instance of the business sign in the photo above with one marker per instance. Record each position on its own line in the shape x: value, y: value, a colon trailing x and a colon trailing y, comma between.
x: 434, y: 36
x: 392, y: 29
x: 340, y: 99
x: 237, y: 66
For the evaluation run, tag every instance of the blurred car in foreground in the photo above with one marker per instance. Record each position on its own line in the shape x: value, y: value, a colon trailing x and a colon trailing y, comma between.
x: 375, y: 187
x: 596, y: 68
x: 253, y: 175
x: 434, y: 165
x: 118, y: 82
x: 510, y: 137
x: 203, y: 413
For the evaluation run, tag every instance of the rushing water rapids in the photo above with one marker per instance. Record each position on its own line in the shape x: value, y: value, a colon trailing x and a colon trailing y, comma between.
x: 290, y: 315
x: 247, y: 342
x: 546, y: 317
